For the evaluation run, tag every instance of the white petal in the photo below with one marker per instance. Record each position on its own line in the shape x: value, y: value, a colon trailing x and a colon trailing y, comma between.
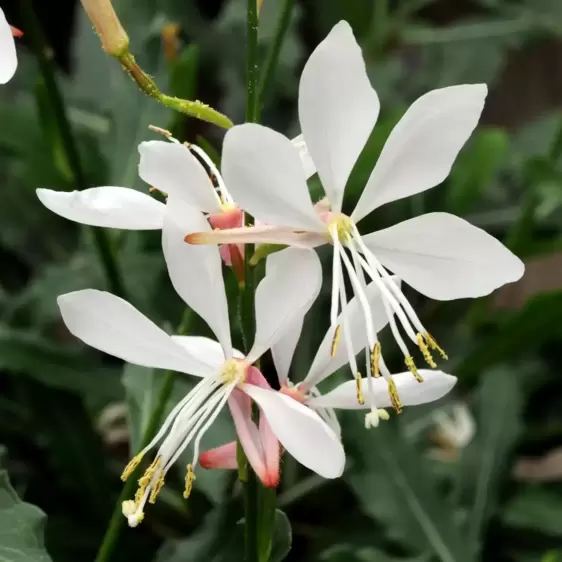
x: 114, y: 326
x: 196, y: 271
x: 284, y: 296
x: 8, y: 56
x: 306, y: 160
x: 324, y: 365
x: 171, y: 168
x: 284, y: 349
x: 301, y: 431
x: 112, y: 207
x: 338, y: 109
x: 435, y: 385
x: 265, y: 176
x: 421, y: 149
x: 208, y: 351
x: 445, y: 257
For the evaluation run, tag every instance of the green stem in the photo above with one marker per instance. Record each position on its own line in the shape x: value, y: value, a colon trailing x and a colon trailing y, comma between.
x: 43, y: 54
x: 379, y: 28
x: 272, y: 59
x: 117, y: 521
x: 252, y: 63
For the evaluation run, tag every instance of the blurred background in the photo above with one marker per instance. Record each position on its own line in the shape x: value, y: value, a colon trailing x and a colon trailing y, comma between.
x: 476, y: 476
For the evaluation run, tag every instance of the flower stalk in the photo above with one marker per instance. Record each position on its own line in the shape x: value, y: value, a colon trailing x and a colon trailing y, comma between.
x: 115, y: 43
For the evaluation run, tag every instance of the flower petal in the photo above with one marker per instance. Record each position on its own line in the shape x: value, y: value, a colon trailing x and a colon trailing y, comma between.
x: 8, y: 58
x: 324, y: 365
x: 306, y: 160
x: 263, y: 234
x: 445, y: 257
x: 206, y: 350
x: 265, y: 176
x: 338, y: 109
x: 301, y: 431
x: 171, y: 168
x: 220, y: 457
x: 196, y: 271
x: 421, y: 149
x: 284, y: 296
x: 114, y: 326
x: 435, y: 385
x: 112, y: 207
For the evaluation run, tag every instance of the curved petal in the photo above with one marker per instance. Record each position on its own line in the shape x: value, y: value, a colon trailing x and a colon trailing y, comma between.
x: 284, y: 296
x: 196, y: 271
x: 324, y: 365
x: 301, y: 431
x: 435, y: 385
x: 306, y: 160
x: 421, y: 149
x: 171, y: 168
x: 8, y: 56
x: 111, y: 207
x: 265, y: 176
x: 206, y: 350
x: 338, y: 109
x: 220, y: 457
x: 445, y: 257
x: 114, y: 326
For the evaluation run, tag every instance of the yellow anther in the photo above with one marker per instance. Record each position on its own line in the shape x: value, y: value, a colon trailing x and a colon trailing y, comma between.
x: 335, y: 341
x: 433, y: 344
x: 189, y: 479
x: 130, y: 468
x: 409, y: 360
x: 375, y: 359
x: 160, y: 130
x: 344, y: 228
x: 146, y: 479
x: 394, y: 398
x: 156, y: 488
x: 359, y: 389
x: 425, y: 351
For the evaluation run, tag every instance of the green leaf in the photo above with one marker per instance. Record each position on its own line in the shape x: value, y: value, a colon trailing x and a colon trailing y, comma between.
x: 282, y: 537
x: 486, y: 462
x: 394, y: 485
x: 21, y: 527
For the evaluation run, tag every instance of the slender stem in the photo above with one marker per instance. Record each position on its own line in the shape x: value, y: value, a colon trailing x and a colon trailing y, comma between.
x: 252, y: 63
x: 272, y: 59
x: 117, y: 521
x: 43, y: 54
x: 379, y: 28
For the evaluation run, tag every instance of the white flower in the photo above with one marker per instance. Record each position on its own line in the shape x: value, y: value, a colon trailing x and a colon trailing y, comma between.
x: 438, y: 254
x: 112, y: 325
x: 8, y: 56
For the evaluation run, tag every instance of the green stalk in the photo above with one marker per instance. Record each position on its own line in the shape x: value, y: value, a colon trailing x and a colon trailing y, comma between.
x: 42, y: 52
x: 117, y: 521
x: 272, y: 59
x: 252, y: 62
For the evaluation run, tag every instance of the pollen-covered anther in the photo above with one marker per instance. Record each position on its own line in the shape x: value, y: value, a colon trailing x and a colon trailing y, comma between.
x: 394, y: 398
x: 189, y: 479
x: 156, y: 488
x: 434, y: 345
x: 409, y: 361
x: 375, y: 359
x: 130, y: 468
x: 359, y: 389
x: 425, y: 351
x: 335, y: 341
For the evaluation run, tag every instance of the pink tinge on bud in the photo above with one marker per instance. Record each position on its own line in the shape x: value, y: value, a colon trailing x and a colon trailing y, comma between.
x: 294, y: 392
x: 220, y: 457
x: 16, y: 32
x: 231, y: 254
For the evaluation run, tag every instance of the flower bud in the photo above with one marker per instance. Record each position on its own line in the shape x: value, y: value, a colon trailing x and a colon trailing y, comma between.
x: 114, y: 39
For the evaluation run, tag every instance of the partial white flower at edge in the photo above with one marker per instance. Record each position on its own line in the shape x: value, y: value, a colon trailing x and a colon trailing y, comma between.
x: 438, y: 254
x: 8, y: 55
x: 112, y: 325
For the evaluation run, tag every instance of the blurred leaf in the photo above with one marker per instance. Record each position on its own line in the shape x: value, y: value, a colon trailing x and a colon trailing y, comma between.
x: 535, y: 509
x: 183, y: 73
x: 475, y: 169
x: 21, y: 527
x: 282, y: 537
x: 486, y: 461
x: 394, y: 485
x: 349, y: 553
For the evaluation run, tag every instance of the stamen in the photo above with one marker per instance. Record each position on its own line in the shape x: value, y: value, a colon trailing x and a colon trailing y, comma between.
x: 409, y: 360
x: 433, y: 344
x: 130, y: 468
x: 359, y: 389
x: 383, y: 414
x: 375, y: 359
x: 425, y: 351
x: 215, y: 174
x: 157, y: 487
x: 394, y: 398
x: 189, y: 479
x: 335, y: 341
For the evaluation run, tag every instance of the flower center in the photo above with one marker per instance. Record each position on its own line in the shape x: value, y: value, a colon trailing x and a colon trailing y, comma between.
x: 234, y: 371
x: 340, y: 226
